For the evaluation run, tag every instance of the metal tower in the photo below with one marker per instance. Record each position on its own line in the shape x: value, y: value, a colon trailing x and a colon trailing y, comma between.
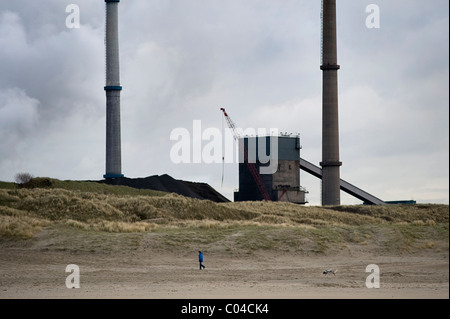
x: 330, y: 120
x: 112, y: 89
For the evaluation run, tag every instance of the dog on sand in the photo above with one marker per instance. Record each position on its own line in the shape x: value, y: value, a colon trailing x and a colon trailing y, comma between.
x: 330, y: 271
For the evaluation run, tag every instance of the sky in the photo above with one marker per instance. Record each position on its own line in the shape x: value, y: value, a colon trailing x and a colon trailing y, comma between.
x: 182, y: 60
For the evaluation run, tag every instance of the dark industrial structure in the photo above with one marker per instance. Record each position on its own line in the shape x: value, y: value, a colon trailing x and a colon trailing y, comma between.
x: 330, y: 119
x: 284, y: 183
x: 112, y: 89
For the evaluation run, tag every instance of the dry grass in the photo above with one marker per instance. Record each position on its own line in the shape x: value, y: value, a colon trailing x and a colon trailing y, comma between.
x: 181, y: 221
x: 61, y: 204
x: 17, y: 224
x: 112, y: 226
x: 93, y: 208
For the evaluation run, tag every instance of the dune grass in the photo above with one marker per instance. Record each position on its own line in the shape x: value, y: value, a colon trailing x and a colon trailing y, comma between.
x: 18, y: 224
x: 66, y: 209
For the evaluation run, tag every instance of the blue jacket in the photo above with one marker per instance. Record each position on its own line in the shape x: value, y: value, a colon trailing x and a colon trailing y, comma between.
x: 200, y: 257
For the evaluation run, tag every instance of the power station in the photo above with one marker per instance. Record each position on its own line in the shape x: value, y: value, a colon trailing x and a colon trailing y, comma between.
x: 284, y: 183
x: 112, y: 89
x: 282, y: 153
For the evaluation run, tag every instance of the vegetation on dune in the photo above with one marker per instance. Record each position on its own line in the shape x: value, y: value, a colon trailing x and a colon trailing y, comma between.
x: 93, y: 208
x: 282, y: 212
x: 18, y: 224
x: 84, y: 186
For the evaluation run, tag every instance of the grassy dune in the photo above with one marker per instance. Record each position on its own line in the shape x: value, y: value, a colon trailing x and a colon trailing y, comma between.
x: 117, y: 217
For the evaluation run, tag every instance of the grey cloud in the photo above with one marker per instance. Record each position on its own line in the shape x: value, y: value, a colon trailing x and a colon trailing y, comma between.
x: 18, y: 118
x: 183, y: 59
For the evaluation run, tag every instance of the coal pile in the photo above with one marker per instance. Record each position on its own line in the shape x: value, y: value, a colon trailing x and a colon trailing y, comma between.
x: 169, y: 184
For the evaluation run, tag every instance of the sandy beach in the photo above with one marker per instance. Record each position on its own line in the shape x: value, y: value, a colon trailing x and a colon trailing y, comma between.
x: 34, y: 273
x: 146, y: 247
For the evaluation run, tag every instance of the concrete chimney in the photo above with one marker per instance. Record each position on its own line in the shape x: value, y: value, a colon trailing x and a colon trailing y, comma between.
x: 112, y: 89
x: 330, y: 119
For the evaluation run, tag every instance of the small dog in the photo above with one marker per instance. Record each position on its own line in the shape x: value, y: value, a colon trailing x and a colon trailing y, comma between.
x: 330, y: 271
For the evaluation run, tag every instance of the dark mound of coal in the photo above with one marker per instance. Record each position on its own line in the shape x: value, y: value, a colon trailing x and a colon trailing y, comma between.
x: 169, y: 184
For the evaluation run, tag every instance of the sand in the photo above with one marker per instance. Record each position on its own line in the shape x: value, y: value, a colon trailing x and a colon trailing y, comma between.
x: 33, y: 272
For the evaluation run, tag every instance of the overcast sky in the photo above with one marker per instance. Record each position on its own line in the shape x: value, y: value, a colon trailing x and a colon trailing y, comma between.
x: 181, y: 60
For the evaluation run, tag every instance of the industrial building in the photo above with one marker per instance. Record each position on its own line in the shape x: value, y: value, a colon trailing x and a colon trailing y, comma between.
x: 281, y: 185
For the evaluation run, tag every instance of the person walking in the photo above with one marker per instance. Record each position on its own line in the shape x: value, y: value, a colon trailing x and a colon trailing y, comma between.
x: 200, y: 260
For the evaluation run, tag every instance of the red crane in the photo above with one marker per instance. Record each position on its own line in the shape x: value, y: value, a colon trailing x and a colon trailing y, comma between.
x: 251, y: 166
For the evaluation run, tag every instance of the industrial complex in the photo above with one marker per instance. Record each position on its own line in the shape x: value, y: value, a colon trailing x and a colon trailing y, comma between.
x: 279, y: 153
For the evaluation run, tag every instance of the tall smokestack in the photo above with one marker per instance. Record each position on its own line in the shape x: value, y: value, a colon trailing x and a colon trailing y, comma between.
x: 330, y: 122
x: 112, y: 89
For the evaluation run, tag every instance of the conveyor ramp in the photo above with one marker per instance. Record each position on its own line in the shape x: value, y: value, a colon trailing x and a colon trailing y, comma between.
x: 345, y: 186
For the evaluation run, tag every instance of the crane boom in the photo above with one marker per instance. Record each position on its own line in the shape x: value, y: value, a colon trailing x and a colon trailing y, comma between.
x: 251, y: 166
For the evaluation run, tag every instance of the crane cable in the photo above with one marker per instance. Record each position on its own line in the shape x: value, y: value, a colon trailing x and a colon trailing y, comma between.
x: 223, y: 147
